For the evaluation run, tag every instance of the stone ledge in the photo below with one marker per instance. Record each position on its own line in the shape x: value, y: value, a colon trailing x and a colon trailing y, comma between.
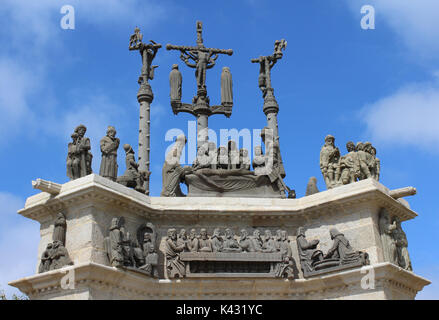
x: 42, y: 206
x: 100, y: 279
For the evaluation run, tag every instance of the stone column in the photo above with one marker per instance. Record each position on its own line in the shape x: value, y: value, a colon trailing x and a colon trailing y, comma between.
x: 145, y: 97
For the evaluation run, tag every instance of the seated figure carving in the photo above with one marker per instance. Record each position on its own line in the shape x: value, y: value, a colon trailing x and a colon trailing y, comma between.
x: 230, y: 243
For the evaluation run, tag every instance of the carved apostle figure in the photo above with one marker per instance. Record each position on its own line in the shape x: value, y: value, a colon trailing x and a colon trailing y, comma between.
x: 307, y: 250
x: 245, y: 242
x: 286, y: 268
x: 233, y: 155
x: 192, y: 243
x: 83, y: 148
x: 244, y: 159
x: 329, y: 158
x: 175, y: 81
x: 131, y: 178
x: 373, y: 162
x: 257, y: 241
x: 182, y: 239
x: 259, y: 161
x: 401, y: 246
x: 363, y: 158
x: 175, y: 267
x: 269, y: 243
x: 230, y: 243
x: 387, y: 240
x: 217, y: 240
x: 204, y: 243
x: 223, y: 158
x: 172, y: 172
x: 341, y: 249
x: 109, y: 146
x: 59, y: 231
x: 202, y: 160
x: 226, y: 87
x: 212, y: 154
x: 73, y: 159
x: 350, y: 165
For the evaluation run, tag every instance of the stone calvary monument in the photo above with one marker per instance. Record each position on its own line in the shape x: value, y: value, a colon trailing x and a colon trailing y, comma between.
x: 239, y: 233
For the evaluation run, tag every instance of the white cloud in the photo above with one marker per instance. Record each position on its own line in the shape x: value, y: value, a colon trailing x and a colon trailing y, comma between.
x: 415, y: 21
x: 409, y: 116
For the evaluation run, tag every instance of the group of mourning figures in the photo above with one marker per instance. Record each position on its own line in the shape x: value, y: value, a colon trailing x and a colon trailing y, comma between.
x: 226, y: 160
x: 139, y: 254
x: 79, y: 159
x: 56, y: 256
x: 359, y: 163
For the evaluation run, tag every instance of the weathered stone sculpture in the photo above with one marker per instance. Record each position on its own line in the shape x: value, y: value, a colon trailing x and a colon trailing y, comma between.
x: 175, y: 81
x: 223, y: 158
x: 363, y: 158
x: 115, y: 242
x: 329, y: 158
x: 401, y: 246
x: 148, y: 254
x: 311, y: 187
x: 244, y: 159
x: 259, y: 161
x: 226, y: 87
x: 174, y: 266
x: 217, y: 241
x: 386, y: 230
x: 172, y: 172
x: 46, y: 259
x: 192, y: 243
x: 59, y: 232
x: 60, y: 256
x: 349, y: 165
x: 109, y: 146
x: 341, y: 249
x: 230, y: 244
x: 233, y: 155
x: 204, y: 243
x: 308, y: 253
x: 269, y: 244
x: 286, y: 269
x: 132, y: 177
x: 257, y: 242
x: 245, y: 242
x: 79, y: 158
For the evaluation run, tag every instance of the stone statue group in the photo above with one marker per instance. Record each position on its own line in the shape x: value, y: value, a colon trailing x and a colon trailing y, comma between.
x: 56, y: 256
x: 79, y: 159
x: 359, y: 163
x: 123, y: 251
x: 226, y: 243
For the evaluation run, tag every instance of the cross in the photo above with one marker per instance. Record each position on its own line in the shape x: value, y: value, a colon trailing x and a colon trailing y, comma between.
x: 201, y: 59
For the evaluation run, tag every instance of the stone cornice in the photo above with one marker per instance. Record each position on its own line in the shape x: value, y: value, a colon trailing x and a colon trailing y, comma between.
x: 131, y: 284
x: 96, y: 189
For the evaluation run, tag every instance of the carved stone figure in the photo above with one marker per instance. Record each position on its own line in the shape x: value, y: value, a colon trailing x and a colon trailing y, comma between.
x: 269, y: 243
x: 311, y: 187
x: 204, y: 243
x: 150, y: 256
x: 73, y: 158
x: 174, y: 266
x: 257, y: 242
x: 244, y: 159
x: 79, y: 157
x: 387, y: 240
x: 172, y: 172
x: 350, y: 165
x: 230, y: 244
x: 223, y: 158
x: 59, y: 232
x: 182, y: 239
x: 286, y: 268
x: 245, y: 242
x: 329, y: 162
x: 60, y: 256
x: 341, y: 249
x: 175, y: 81
x: 217, y: 241
x: 308, y: 252
x: 46, y: 259
x: 259, y: 161
x: 363, y: 158
x: 233, y: 155
x: 202, y: 160
x: 226, y: 87
x: 373, y: 162
x: 401, y: 246
x: 212, y: 154
x: 192, y: 243
x: 131, y: 178
x: 115, y: 249
x: 109, y: 146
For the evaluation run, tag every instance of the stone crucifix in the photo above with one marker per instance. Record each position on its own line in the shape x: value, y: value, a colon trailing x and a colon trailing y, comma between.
x: 145, y: 96
x: 201, y: 59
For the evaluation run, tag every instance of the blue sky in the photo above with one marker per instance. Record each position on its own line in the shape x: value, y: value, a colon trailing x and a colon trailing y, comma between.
x: 377, y: 85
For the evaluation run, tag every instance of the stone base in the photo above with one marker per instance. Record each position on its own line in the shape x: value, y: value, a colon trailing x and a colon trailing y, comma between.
x: 95, y: 282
